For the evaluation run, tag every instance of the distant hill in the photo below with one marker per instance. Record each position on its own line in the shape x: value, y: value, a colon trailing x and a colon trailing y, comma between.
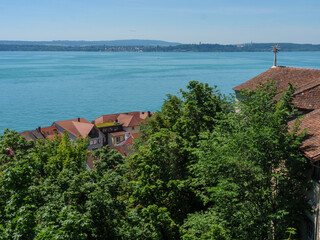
x: 148, y: 46
x: 129, y: 42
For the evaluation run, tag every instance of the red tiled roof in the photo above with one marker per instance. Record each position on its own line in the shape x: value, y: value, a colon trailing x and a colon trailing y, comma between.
x: 282, y: 76
x: 136, y: 135
x: 126, y: 119
x: 77, y: 127
x: 310, y: 122
x: 120, y: 149
x: 307, y: 81
x: 307, y: 97
x: 106, y: 118
x: 49, y: 132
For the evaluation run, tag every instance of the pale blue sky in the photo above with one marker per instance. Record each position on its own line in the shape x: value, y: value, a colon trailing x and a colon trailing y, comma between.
x: 186, y: 21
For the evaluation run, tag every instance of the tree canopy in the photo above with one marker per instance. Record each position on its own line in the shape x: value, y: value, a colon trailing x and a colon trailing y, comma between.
x: 202, y: 169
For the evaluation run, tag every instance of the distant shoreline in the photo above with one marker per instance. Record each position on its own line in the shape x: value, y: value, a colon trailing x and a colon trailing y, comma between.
x: 252, y: 47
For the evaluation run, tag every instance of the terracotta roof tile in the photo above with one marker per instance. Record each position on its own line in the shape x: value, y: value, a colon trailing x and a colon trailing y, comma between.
x: 120, y: 149
x: 77, y: 127
x: 308, y: 98
x: 115, y: 134
x: 282, y: 76
x: 49, y: 132
x: 126, y: 119
x: 310, y: 122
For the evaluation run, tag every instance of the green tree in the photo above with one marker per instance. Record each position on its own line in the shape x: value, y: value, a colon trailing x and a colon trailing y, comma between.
x: 159, y: 177
x: 250, y: 171
x: 47, y: 192
x: 199, y: 171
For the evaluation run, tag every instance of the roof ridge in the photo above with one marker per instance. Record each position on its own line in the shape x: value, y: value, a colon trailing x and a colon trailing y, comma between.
x: 303, y: 88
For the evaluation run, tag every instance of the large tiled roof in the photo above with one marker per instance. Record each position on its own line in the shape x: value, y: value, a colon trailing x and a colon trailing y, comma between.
x: 307, y: 81
x: 282, y: 76
x: 77, y: 127
x: 306, y: 96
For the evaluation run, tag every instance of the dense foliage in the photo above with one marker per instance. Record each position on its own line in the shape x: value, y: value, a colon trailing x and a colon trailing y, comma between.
x: 199, y: 171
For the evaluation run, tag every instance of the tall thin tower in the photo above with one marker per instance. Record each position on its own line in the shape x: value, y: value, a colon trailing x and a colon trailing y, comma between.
x: 275, y: 49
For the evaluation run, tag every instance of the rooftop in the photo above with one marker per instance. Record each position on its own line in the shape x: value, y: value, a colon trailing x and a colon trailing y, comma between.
x: 306, y: 96
x: 282, y: 76
x: 33, y: 135
x: 115, y: 134
x: 49, y: 132
x: 77, y: 127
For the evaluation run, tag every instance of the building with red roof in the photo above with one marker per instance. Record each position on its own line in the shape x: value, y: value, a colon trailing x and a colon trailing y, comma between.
x: 115, y: 126
x: 81, y: 128
x: 307, y: 99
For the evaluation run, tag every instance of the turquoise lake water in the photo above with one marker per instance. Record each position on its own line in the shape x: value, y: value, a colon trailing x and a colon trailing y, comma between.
x: 37, y: 88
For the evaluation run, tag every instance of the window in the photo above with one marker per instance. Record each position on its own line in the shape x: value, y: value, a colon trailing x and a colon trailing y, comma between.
x: 91, y: 142
x: 132, y: 128
x: 95, y: 142
x: 99, y: 141
x: 118, y: 139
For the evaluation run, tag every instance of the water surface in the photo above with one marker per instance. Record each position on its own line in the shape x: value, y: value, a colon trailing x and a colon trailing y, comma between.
x: 37, y: 88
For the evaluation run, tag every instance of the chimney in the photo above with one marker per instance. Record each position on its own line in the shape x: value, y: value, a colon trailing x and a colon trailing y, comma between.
x: 78, y: 119
x: 39, y: 129
x: 149, y: 114
x: 275, y: 49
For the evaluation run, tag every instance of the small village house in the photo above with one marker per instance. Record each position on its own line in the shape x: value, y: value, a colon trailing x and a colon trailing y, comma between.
x: 81, y: 127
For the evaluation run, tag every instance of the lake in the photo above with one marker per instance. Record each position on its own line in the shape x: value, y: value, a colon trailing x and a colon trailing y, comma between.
x: 38, y: 88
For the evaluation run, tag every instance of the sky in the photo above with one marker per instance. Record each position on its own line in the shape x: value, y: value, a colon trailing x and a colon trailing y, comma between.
x: 184, y: 21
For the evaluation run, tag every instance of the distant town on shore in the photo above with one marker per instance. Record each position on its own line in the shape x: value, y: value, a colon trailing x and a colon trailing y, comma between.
x: 148, y: 46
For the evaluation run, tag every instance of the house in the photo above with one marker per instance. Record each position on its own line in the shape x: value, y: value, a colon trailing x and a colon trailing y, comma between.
x: 117, y: 126
x: 307, y: 99
x: 81, y: 127
x: 33, y: 135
